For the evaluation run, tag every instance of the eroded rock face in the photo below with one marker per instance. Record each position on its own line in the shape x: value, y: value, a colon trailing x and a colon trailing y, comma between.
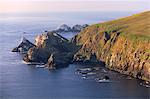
x: 52, y: 49
x: 123, y: 52
x: 92, y: 58
x: 118, y: 53
x: 59, y: 60
x: 36, y: 55
x: 24, y: 46
x: 129, y: 60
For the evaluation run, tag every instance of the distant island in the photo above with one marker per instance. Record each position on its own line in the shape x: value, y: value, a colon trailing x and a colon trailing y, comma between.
x: 65, y: 28
x: 122, y: 45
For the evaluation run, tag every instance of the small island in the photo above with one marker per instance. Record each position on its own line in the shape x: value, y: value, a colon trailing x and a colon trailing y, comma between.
x: 65, y: 28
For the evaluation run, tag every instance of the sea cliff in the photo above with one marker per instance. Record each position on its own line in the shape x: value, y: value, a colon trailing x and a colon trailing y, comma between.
x: 123, y: 44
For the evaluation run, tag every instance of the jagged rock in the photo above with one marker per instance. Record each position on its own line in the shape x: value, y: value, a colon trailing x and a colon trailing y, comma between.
x: 24, y: 46
x: 52, y: 49
x: 81, y: 58
x: 63, y: 28
x: 36, y: 55
x: 77, y: 28
x: 59, y: 60
x: 66, y: 28
x: 106, y: 78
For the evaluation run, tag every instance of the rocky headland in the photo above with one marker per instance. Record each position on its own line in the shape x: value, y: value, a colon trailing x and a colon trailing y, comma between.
x: 122, y: 45
x: 51, y: 49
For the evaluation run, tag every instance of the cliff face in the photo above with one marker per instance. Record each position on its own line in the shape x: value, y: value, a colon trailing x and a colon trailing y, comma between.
x: 123, y: 44
x: 52, y: 49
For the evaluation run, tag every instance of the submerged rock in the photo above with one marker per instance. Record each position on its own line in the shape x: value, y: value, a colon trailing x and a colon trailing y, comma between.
x: 24, y: 46
x: 106, y: 78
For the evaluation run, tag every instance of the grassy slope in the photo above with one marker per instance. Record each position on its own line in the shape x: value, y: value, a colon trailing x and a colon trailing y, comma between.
x: 137, y: 25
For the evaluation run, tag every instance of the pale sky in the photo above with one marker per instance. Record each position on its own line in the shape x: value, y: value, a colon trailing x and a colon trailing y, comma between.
x: 15, y: 6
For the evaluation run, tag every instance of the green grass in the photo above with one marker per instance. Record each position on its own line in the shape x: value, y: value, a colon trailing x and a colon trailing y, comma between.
x: 108, y: 28
x: 135, y: 27
x: 144, y: 57
x: 148, y: 51
x: 135, y: 37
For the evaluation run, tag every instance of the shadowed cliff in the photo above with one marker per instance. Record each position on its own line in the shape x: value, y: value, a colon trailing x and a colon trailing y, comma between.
x: 123, y: 44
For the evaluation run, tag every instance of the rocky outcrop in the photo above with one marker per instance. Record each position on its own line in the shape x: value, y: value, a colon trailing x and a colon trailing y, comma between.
x: 85, y: 59
x: 59, y: 60
x: 78, y: 28
x: 63, y: 28
x: 66, y: 28
x: 52, y: 49
x: 24, y: 46
x: 123, y: 44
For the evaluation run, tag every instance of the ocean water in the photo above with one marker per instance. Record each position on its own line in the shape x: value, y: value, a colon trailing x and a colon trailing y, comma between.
x: 21, y: 81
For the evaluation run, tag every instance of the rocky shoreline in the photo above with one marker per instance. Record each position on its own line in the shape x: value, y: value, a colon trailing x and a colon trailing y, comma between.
x: 52, y: 50
x: 101, y: 43
x: 60, y: 58
x: 113, y: 43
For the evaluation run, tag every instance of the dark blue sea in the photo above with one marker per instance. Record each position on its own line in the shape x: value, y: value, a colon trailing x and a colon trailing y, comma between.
x: 21, y: 81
